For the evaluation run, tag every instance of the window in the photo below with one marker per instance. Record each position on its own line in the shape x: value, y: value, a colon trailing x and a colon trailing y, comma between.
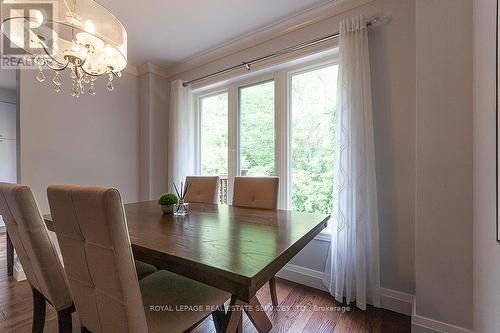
x: 214, y: 136
x: 281, y: 123
x: 256, y: 104
x: 312, y: 107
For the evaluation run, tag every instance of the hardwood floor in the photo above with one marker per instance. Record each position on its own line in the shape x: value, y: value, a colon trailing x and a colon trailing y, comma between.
x: 302, y: 309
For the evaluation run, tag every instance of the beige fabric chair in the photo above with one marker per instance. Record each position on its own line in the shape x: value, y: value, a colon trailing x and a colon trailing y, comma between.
x: 256, y: 192
x: 261, y: 193
x: 91, y: 227
x: 37, y: 255
x: 203, y: 189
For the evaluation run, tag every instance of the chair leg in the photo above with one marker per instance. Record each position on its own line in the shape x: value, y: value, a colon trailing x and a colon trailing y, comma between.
x: 10, y: 256
x: 64, y: 322
x: 272, y: 288
x: 84, y: 330
x: 38, y: 311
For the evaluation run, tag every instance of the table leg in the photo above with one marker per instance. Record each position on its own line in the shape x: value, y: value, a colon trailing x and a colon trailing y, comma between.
x: 10, y: 256
x: 234, y: 316
x: 258, y: 316
x: 254, y: 311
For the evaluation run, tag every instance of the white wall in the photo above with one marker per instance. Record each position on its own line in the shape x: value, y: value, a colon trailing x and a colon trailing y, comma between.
x: 392, y: 51
x: 153, y: 135
x: 486, y: 249
x: 89, y: 140
x: 443, y: 228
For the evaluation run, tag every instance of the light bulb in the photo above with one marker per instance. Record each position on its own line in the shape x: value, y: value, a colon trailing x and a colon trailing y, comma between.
x: 83, y: 53
x: 89, y: 27
x: 108, y: 50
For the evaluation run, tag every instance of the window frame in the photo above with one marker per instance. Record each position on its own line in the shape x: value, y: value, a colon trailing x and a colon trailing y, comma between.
x: 282, y: 75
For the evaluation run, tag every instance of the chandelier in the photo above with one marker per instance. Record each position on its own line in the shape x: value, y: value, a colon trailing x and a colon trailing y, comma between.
x: 80, y: 36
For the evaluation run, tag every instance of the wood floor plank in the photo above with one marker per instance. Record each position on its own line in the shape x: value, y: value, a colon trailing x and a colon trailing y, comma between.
x: 299, y: 310
x: 310, y: 310
x: 324, y: 319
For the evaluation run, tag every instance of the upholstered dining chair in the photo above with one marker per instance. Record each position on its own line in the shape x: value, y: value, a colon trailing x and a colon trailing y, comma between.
x: 37, y: 255
x: 260, y: 193
x: 91, y: 227
x: 256, y: 192
x: 202, y: 189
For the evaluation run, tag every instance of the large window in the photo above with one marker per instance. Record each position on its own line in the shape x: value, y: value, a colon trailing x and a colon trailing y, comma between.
x: 213, y: 136
x: 280, y: 124
x: 256, y: 105
x: 312, y: 108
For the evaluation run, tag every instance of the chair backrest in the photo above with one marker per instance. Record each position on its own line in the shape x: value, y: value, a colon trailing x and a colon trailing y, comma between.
x: 92, y: 231
x: 32, y: 243
x: 203, y: 189
x: 256, y: 192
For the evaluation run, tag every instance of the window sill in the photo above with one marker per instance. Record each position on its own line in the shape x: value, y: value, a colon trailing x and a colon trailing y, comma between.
x: 325, y: 235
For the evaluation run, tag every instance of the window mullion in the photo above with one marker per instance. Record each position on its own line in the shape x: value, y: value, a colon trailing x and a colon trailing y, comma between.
x: 198, y: 119
x: 232, y: 140
x: 282, y: 144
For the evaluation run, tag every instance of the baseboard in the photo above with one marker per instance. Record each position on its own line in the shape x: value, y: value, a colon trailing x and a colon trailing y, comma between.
x: 303, y: 275
x: 390, y: 299
x: 421, y: 324
x: 396, y: 301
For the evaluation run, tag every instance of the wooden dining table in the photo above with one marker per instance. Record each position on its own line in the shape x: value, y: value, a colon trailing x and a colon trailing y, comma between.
x: 237, y: 250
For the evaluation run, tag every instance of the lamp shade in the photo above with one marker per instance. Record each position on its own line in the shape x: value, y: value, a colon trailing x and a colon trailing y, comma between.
x: 81, y: 29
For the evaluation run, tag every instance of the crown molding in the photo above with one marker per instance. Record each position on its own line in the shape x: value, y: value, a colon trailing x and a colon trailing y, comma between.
x: 131, y: 70
x: 277, y: 29
x: 152, y: 68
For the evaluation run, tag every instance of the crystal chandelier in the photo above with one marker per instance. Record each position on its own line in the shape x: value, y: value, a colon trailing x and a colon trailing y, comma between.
x: 78, y: 35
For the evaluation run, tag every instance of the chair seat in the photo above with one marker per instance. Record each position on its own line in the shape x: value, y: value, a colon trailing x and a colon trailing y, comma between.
x: 144, y: 269
x: 165, y: 293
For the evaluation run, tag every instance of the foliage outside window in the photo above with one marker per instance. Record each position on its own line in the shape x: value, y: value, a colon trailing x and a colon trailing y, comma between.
x: 214, y: 137
x: 313, y: 113
x: 257, y: 129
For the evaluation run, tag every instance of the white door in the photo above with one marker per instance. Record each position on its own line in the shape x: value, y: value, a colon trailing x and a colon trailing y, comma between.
x: 8, y: 165
x: 7, y: 121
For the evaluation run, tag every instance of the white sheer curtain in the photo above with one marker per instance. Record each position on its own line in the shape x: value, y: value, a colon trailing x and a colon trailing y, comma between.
x: 181, y: 147
x: 353, y: 266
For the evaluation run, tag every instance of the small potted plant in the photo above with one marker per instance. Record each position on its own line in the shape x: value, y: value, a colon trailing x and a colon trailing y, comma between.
x: 167, y: 202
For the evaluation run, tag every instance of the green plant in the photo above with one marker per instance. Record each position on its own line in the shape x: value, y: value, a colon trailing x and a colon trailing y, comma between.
x: 167, y: 199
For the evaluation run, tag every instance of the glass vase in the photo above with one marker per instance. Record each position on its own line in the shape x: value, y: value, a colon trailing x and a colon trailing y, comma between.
x: 181, y: 208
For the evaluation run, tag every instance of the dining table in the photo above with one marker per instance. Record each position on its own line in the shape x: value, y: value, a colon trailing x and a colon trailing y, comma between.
x: 234, y: 249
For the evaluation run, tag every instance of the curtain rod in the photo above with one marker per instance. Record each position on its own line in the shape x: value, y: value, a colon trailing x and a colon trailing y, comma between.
x: 247, y: 64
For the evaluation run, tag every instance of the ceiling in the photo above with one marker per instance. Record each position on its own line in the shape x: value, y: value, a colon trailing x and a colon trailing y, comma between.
x: 165, y: 32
